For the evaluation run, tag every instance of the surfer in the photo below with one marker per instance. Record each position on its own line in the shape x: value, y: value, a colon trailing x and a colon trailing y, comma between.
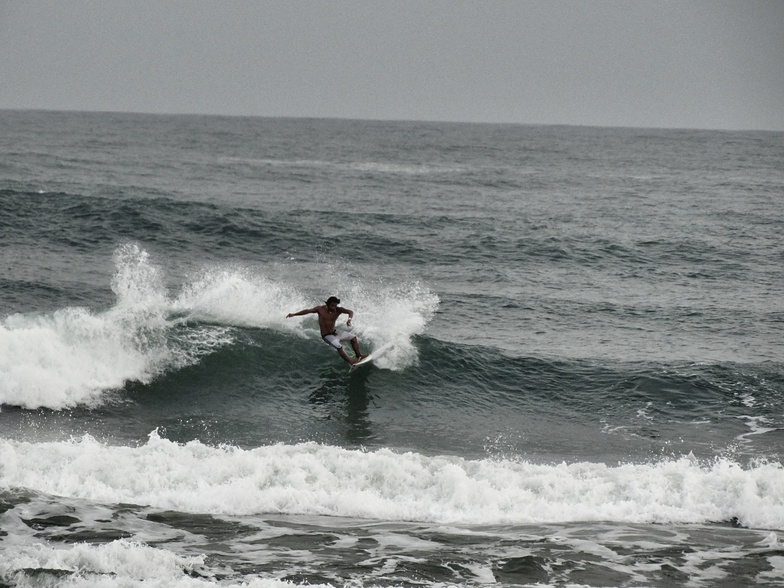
x: 328, y: 313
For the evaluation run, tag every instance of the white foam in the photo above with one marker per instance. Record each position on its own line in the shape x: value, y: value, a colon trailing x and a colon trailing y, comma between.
x: 324, y: 480
x: 392, y: 318
x: 775, y: 574
x: 118, y: 564
x: 122, y: 557
x: 73, y: 355
x: 62, y: 359
x: 418, y: 169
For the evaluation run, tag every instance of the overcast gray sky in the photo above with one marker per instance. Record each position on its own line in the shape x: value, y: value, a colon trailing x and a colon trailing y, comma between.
x: 697, y: 64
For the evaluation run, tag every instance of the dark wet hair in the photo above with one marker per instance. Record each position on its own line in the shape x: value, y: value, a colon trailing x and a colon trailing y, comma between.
x: 332, y: 299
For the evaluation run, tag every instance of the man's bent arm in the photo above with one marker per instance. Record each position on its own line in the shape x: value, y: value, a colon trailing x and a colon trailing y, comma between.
x: 350, y: 314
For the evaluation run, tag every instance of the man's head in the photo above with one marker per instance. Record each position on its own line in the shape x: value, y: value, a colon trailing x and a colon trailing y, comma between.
x: 333, y: 301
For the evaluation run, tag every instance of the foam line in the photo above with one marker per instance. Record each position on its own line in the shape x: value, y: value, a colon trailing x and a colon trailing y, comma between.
x: 325, y: 480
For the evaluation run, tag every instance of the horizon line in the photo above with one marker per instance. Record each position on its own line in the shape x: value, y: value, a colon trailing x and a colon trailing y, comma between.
x: 390, y: 120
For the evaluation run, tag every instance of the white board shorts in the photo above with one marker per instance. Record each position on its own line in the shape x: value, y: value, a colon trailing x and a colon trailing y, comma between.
x: 334, y: 339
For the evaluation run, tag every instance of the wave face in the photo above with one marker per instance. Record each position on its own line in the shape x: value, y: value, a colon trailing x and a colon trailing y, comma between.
x: 579, y: 375
x: 74, y: 356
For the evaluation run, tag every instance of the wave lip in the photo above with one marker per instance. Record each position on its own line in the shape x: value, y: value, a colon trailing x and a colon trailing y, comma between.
x: 314, y: 479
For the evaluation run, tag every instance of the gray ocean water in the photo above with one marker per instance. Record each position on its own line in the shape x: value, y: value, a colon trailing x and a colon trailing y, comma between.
x: 580, y: 379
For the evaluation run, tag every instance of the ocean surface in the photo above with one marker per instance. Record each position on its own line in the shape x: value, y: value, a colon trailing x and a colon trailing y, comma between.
x: 581, y: 382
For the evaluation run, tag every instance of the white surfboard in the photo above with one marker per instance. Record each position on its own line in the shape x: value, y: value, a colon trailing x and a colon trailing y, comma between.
x: 363, y: 361
x: 370, y: 357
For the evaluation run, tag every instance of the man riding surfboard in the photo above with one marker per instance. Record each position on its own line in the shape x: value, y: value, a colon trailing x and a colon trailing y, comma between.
x: 328, y: 314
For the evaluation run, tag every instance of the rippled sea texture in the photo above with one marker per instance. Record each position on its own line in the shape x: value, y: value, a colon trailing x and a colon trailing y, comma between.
x: 580, y: 380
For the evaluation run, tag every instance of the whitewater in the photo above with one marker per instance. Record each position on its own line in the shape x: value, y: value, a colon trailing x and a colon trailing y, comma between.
x: 312, y: 479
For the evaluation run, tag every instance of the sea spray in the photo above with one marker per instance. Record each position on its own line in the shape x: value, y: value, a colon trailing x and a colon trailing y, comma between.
x: 237, y: 296
x: 245, y: 297
x: 391, y: 318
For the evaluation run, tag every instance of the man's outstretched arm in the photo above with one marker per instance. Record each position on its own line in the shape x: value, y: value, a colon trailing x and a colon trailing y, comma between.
x: 303, y: 312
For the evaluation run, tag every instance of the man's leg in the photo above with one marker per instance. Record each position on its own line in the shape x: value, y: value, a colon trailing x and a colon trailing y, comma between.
x: 355, y: 347
x: 334, y: 342
x: 345, y: 356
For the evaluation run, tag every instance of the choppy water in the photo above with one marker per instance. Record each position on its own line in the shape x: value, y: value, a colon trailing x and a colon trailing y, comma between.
x: 581, y: 385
